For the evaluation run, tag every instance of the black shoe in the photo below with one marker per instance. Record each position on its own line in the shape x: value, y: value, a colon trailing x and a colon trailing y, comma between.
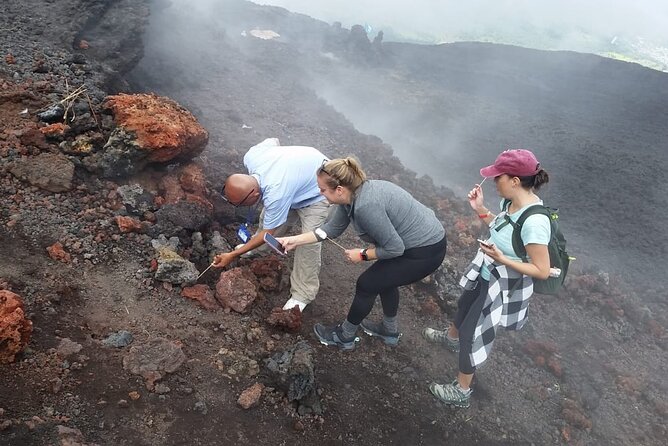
x: 377, y: 329
x: 334, y: 336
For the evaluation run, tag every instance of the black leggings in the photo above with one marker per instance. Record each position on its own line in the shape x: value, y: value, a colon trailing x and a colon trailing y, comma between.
x: 385, y: 276
x: 469, y: 308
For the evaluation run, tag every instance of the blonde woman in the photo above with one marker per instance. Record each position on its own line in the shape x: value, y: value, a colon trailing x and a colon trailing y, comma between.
x: 404, y: 241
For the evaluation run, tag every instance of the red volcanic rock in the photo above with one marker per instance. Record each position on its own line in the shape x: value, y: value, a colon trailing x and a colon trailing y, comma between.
x: 10, y: 59
x: 192, y: 180
x: 251, y: 396
x: 56, y: 252
x: 268, y: 271
x: 162, y: 127
x: 55, y: 129
x: 189, y: 185
x: 290, y: 320
x: 128, y: 224
x: 15, y: 329
x: 171, y: 189
x: 235, y: 291
x: 203, y: 295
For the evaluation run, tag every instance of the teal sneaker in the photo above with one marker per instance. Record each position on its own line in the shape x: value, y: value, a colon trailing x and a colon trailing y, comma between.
x: 378, y: 330
x: 334, y: 336
x: 441, y: 337
x: 451, y: 394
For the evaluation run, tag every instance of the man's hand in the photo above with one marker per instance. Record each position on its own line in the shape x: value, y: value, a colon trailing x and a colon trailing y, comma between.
x: 222, y: 260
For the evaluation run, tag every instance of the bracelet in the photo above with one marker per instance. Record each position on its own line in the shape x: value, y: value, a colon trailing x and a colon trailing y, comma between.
x: 484, y: 215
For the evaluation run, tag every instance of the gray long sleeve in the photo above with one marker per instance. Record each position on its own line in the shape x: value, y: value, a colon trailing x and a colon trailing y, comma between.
x: 388, y: 217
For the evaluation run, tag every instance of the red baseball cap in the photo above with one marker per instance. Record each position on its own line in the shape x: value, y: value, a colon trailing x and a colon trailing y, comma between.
x: 516, y: 162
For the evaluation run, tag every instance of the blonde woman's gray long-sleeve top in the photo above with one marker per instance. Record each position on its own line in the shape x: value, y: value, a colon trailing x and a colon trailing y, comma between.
x: 385, y: 215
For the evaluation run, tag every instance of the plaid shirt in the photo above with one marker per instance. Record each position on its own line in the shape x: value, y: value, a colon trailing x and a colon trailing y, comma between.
x: 500, y: 307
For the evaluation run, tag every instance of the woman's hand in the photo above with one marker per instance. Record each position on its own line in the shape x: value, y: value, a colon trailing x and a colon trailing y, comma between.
x: 354, y: 255
x: 476, y: 199
x: 493, y: 252
x: 289, y: 243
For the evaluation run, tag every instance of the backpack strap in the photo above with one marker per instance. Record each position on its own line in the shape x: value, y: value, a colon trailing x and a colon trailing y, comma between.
x: 518, y: 244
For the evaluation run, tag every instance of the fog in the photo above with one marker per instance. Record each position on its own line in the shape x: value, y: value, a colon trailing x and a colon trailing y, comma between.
x: 445, y: 118
x: 446, y: 20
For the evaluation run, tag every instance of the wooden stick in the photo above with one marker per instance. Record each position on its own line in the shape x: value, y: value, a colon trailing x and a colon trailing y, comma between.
x: 207, y: 269
x: 336, y: 243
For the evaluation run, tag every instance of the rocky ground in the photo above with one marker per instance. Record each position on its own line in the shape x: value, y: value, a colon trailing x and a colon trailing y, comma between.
x: 121, y: 353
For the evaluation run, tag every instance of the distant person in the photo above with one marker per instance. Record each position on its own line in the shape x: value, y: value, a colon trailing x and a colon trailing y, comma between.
x: 496, y: 270
x: 406, y: 242
x: 283, y: 178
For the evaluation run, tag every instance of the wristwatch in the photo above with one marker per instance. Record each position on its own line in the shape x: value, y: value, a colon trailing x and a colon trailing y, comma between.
x: 363, y: 254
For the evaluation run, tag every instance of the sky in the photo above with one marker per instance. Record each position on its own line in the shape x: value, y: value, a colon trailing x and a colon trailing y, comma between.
x: 441, y: 19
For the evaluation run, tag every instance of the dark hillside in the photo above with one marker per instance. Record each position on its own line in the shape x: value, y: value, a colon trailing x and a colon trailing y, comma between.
x: 598, y: 126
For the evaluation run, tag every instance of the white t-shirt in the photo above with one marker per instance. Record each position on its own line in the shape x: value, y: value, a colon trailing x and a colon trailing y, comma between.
x: 536, y: 229
x: 287, y: 177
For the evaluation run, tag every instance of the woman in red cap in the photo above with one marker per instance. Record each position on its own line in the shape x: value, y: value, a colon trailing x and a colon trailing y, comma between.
x: 497, y: 284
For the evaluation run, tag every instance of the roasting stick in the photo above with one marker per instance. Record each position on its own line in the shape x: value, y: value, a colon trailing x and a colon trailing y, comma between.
x: 207, y: 269
x: 336, y: 243
x: 323, y: 235
x: 483, y: 180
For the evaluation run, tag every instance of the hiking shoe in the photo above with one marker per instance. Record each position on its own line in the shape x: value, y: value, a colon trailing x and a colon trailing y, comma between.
x: 378, y: 330
x: 334, y: 336
x: 451, y: 394
x: 441, y: 337
x: 292, y: 302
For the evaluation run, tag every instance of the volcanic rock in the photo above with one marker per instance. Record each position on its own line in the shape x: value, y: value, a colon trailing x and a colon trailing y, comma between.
x: 149, y: 129
x: 294, y: 372
x: 269, y: 271
x: 203, y: 295
x: 48, y: 171
x: 174, y: 269
x: 235, y: 291
x: 290, y: 320
x: 118, y: 339
x: 251, y: 396
x: 185, y: 214
x: 57, y: 252
x: 153, y: 359
x: 15, y: 329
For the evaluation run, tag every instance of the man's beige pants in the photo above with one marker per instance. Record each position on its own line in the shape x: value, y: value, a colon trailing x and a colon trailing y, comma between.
x: 304, y: 279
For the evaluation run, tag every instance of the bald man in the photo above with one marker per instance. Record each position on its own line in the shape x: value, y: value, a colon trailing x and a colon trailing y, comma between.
x: 283, y: 178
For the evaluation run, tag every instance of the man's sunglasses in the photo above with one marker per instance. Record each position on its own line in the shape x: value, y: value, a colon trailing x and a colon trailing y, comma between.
x: 241, y: 203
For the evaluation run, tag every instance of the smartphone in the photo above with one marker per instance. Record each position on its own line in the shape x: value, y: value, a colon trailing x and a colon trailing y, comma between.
x: 274, y: 244
x: 486, y: 244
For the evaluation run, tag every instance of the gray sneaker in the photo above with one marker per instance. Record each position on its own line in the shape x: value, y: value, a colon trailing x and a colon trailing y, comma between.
x: 378, y: 330
x: 451, y: 394
x: 441, y: 337
x: 334, y: 336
